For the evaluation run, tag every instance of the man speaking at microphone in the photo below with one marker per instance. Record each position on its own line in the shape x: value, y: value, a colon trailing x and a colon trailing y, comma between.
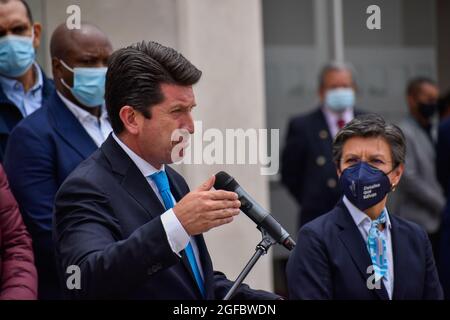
x: 124, y: 217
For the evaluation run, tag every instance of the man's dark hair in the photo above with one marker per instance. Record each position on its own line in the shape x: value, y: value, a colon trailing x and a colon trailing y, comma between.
x: 415, y: 84
x: 368, y: 126
x: 27, y: 8
x: 135, y: 75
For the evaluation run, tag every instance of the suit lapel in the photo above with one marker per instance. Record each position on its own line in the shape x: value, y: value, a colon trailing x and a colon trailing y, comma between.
x: 324, y: 132
x: 69, y: 128
x: 356, y: 247
x: 132, y: 179
x: 399, y: 257
x: 137, y: 186
x: 10, y: 114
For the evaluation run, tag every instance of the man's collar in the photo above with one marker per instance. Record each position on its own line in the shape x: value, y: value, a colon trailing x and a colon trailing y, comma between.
x: 78, y: 112
x: 10, y: 84
x: 146, y: 168
x: 346, y: 114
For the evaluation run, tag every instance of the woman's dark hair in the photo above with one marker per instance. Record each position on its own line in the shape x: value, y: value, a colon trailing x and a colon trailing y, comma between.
x: 371, y: 125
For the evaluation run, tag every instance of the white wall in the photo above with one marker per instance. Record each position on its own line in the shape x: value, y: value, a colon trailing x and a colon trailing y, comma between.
x: 224, y: 38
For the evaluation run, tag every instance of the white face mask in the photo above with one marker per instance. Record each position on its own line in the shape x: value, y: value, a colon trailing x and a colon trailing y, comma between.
x: 340, y: 99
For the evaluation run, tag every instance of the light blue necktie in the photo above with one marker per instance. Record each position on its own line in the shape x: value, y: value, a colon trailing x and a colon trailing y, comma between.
x: 376, y: 244
x: 160, y: 178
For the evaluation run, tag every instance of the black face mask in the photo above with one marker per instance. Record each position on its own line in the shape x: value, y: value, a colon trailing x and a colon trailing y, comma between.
x: 427, y: 110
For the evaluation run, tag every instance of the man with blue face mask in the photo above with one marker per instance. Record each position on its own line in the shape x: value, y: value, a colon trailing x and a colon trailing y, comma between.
x: 307, y: 168
x: 23, y: 85
x: 46, y: 146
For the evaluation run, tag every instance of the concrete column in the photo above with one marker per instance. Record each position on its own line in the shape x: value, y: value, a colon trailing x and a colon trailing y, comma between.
x: 224, y: 39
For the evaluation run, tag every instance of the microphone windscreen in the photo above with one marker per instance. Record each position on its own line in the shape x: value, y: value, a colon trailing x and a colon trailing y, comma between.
x: 225, y: 182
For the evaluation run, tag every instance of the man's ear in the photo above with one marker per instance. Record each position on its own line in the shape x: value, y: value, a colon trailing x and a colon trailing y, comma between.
x: 130, y: 119
x: 56, y: 68
x: 37, y: 29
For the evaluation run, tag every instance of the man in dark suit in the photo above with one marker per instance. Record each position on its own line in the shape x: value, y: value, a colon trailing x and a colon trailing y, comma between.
x: 46, y: 146
x: 443, y: 155
x: 359, y: 250
x: 124, y: 217
x: 443, y: 174
x: 307, y: 168
x: 419, y: 197
x: 23, y: 85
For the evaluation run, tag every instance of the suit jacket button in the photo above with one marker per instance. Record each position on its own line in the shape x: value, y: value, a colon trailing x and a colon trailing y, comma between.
x: 321, y: 160
x: 331, y: 183
x: 323, y: 134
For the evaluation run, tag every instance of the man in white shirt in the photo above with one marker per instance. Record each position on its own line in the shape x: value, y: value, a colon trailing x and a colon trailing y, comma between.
x: 46, y: 147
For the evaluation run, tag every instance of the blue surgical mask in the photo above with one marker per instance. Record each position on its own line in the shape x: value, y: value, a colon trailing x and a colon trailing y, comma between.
x: 88, y: 85
x: 340, y: 99
x: 17, y: 54
x: 364, y: 185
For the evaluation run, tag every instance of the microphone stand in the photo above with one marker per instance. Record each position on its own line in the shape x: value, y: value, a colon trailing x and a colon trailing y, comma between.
x: 261, y: 249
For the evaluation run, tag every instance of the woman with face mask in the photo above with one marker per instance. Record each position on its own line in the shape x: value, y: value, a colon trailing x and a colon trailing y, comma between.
x: 360, y: 250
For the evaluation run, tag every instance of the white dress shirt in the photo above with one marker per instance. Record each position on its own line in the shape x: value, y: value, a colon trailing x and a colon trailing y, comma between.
x: 29, y: 101
x: 176, y: 235
x: 363, y: 222
x: 332, y: 118
x: 97, y: 128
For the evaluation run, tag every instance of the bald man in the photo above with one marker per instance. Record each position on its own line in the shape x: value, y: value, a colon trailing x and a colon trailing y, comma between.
x: 46, y: 147
x: 24, y: 87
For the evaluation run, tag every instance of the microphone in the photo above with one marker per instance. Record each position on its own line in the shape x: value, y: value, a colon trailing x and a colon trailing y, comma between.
x: 254, y: 211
